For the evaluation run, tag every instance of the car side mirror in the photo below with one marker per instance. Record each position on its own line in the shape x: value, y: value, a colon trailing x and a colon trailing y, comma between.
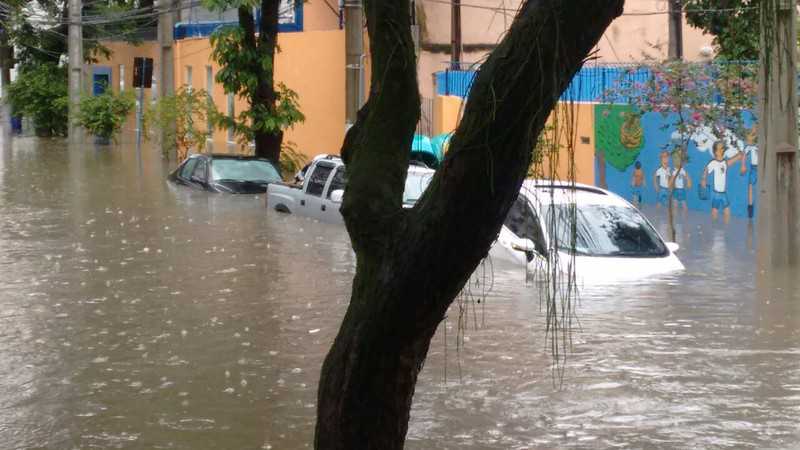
x: 523, y: 245
x: 337, y: 196
x: 673, y: 246
x: 196, y: 179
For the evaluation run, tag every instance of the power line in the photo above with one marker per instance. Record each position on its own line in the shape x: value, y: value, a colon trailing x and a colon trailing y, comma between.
x: 643, y: 13
x: 107, y: 19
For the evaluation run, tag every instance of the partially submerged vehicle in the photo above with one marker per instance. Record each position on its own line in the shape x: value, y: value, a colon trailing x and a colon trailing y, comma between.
x: 560, y: 228
x: 322, y: 189
x: 234, y: 174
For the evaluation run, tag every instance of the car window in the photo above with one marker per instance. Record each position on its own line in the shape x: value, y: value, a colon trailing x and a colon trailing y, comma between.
x: 200, y: 170
x: 316, y: 183
x: 603, y: 230
x: 339, y: 181
x: 416, y: 183
x: 523, y: 222
x: 188, y: 167
x: 255, y: 170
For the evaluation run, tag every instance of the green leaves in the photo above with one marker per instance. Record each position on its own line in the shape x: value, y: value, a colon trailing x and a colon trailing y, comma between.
x: 224, y: 5
x: 247, y: 71
x: 690, y: 96
x: 103, y: 115
x: 733, y: 23
x: 40, y: 92
x: 184, y: 116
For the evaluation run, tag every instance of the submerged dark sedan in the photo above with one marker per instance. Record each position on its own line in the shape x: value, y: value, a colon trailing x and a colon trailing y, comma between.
x: 233, y: 174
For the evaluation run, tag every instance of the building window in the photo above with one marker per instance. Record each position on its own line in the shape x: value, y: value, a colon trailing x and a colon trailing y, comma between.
x: 121, y: 77
x: 231, y: 114
x: 189, y: 78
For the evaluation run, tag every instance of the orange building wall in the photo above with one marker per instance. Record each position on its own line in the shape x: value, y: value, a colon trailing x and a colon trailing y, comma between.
x: 311, y: 63
x: 320, y: 15
x: 446, y: 113
x: 575, y: 123
x: 123, y: 54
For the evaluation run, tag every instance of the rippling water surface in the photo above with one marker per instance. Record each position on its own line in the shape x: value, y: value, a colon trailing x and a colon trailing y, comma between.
x: 138, y: 315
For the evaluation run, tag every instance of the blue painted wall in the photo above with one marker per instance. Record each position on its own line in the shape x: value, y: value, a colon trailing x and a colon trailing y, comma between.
x: 656, y: 140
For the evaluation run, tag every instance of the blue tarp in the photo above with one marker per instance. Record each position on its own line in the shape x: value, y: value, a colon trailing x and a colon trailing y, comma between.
x: 422, y: 150
x: 590, y: 84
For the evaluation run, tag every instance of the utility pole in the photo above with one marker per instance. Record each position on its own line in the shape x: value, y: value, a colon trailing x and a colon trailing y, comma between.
x: 75, y: 45
x: 166, y: 57
x: 675, y: 29
x: 354, y: 52
x: 777, y: 229
x: 6, y: 63
x: 166, y: 61
x: 455, y: 35
x: 415, y: 28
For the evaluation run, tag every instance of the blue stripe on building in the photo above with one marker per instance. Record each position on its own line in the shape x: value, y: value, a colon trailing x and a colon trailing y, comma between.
x: 205, y: 28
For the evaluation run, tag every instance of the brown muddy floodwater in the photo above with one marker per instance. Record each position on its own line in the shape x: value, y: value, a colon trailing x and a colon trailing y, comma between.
x: 138, y: 315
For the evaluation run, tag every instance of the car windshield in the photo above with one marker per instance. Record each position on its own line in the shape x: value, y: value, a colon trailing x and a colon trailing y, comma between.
x: 254, y: 170
x: 416, y: 183
x: 603, y: 230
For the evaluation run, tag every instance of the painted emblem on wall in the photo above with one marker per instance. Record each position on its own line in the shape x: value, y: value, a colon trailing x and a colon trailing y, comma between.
x: 618, y: 134
x: 631, y: 134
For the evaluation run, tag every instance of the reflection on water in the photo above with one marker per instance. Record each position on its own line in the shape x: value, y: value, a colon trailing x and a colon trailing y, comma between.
x: 134, y: 314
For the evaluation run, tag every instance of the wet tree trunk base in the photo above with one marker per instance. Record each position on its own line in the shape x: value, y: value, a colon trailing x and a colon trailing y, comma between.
x: 411, y: 264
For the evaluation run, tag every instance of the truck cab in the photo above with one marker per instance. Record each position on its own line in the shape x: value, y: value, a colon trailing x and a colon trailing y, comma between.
x: 322, y: 189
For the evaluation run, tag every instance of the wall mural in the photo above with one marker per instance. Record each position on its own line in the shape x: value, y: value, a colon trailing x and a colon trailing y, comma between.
x: 637, y: 157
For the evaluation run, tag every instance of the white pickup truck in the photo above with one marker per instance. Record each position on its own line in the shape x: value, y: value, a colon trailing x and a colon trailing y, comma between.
x: 321, y: 192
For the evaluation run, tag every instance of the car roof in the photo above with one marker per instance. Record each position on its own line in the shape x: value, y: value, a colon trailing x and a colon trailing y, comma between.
x: 234, y: 156
x: 562, y: 192
x: 413, y: 168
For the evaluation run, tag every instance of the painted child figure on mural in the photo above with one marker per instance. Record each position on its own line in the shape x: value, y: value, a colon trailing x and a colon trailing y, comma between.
x: 718, y: 168
x: 661, y: 180
x: 680, y: 181
x: 751, y: 151
x: 637, y: 183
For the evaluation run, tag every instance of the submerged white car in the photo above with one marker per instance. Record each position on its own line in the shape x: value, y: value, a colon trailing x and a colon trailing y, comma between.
x: 555, y: 228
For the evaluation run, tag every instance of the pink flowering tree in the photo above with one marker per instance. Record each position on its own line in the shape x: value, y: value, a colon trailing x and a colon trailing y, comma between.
x: 701, y: 101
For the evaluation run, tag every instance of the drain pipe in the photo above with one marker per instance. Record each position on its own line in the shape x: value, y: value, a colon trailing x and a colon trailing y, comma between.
x: 354, y: 62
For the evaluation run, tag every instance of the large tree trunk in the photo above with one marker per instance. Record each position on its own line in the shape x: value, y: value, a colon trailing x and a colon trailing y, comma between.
x: 412, y: 263
x: 268, y: 143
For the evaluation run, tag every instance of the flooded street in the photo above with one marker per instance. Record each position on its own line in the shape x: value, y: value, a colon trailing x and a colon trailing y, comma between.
x: 139, y: 315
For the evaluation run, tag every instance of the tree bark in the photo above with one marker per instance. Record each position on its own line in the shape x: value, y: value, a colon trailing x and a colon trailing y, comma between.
x: 268, y: 143
x: 412, y: 263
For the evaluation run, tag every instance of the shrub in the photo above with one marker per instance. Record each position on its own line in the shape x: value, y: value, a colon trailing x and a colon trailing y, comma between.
x: 103, y: 115
x: 184, y: 118
x: 40, y: 92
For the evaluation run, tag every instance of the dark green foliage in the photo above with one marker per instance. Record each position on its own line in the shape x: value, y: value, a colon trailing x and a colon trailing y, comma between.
x: 733, y: 23
x: 247, y: 70
x: 38, y: 42
x: 40, y: 93
x: 103, y: 115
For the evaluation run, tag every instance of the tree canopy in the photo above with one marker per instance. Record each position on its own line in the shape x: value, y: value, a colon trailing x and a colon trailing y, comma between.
x: 39, y: 28
x: 733, y: 23
x: 246, y: 53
